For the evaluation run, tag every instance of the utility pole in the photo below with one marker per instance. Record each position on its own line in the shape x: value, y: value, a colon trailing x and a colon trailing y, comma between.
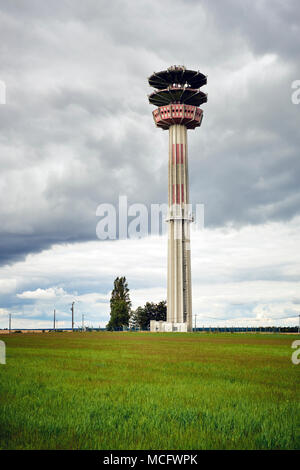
x: 83, y: 322
x: 72, y: 310
x: 195, y: 321
x: 54, y: 320
x: 299, y: 325
x: 9, y: 323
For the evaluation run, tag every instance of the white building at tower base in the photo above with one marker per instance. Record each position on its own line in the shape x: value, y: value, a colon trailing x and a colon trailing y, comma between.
x: 164, y: 326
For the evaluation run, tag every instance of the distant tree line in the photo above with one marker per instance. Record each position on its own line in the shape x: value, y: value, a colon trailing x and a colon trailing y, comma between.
x: 121, y: 314
x: 141, y: 317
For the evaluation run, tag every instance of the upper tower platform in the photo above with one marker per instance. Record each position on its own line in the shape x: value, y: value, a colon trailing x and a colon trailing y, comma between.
x: 179, y: 75
x: 181, y: 87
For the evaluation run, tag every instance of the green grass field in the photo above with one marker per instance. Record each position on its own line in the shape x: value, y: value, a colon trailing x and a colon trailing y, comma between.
x: 149, y: 391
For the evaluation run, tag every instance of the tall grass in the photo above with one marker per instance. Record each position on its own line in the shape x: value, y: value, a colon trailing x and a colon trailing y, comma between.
x: 149, y: 391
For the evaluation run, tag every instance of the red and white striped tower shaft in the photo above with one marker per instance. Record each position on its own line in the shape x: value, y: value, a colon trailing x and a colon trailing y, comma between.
x: 178, y: 96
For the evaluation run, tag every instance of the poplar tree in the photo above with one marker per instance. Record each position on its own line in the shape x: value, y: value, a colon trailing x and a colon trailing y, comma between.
x: 120, y: 305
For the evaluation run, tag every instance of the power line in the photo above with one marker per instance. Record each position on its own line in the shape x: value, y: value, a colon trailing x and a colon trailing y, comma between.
x: 244, y: 319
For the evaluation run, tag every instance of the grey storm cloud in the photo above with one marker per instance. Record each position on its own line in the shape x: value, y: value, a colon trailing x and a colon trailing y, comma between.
x: 77, y: 129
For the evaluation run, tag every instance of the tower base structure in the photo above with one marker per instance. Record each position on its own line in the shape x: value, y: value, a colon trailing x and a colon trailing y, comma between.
x: 167, y: 327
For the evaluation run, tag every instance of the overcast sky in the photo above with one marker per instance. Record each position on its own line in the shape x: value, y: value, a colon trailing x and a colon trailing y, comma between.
x: 77, y: 131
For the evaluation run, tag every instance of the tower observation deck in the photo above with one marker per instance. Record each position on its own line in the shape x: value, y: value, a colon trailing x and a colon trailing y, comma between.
x: 177, y: 96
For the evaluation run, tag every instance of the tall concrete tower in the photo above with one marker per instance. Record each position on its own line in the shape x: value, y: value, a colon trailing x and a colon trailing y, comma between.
x: 178, y: 97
